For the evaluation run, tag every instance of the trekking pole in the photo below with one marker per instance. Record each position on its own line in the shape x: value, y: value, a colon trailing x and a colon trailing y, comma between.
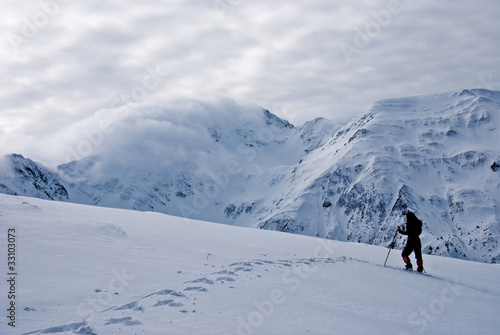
x: 391, y: 246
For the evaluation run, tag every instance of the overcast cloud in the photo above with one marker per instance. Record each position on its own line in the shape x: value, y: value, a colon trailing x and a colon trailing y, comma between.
x: 61, y: 62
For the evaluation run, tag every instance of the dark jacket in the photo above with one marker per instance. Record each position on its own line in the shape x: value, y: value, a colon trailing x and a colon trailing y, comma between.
x: 413, y: 226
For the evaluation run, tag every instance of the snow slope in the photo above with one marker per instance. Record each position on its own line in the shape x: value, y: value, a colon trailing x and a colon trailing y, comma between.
x: 94, y: 270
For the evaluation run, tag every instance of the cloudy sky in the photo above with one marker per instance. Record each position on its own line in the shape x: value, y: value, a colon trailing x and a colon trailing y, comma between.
x: 62, y: 62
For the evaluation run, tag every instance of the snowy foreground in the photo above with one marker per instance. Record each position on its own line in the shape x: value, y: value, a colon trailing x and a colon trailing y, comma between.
x: 91, y: 270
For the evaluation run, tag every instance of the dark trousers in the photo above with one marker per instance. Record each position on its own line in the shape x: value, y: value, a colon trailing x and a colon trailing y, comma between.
x: 413, y: 244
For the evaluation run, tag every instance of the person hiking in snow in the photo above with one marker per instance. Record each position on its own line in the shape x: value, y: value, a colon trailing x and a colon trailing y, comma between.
x: 413, y: 244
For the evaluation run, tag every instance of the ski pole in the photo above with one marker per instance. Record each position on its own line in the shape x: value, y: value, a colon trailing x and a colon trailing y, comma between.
x: 391, y: 246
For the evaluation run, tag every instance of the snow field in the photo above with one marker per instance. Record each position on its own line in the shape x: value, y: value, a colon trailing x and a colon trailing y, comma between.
x: 91, y: 270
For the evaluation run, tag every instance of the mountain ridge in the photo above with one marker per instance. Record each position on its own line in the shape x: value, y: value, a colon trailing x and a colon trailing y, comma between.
x: 434, y: 154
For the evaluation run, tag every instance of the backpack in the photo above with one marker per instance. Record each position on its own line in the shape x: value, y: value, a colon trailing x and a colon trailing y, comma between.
x: 413, y: 224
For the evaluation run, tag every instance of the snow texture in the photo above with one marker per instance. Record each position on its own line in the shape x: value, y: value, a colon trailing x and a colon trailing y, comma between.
x: 92, y: 270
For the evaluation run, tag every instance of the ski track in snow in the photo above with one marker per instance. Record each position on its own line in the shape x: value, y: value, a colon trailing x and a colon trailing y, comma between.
x: 183, y: 299
x: 177, y: 299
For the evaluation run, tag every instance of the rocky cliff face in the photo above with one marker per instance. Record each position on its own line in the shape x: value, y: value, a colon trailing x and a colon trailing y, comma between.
x: 436, y: 155
x: 22, y: 176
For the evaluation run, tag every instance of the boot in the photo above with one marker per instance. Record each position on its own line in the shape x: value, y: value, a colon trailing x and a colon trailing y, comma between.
x: 420, y: 265
x: 409, y: 267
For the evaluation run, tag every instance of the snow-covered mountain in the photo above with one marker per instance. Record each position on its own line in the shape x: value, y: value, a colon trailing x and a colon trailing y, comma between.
x: 187, y: 162
x: 435, y: 154
x: 22, y: 176
x: 94, y: 270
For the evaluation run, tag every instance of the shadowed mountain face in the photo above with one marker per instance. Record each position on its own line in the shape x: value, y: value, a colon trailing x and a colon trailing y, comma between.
x: 437, y: 155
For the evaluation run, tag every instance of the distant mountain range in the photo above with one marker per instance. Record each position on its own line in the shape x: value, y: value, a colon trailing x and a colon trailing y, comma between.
x: 437, y: 155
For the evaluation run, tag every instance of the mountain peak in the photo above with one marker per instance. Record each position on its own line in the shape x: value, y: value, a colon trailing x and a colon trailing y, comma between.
x: 25, y: 177
x: 272, y: 119
x: 243, y: 165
